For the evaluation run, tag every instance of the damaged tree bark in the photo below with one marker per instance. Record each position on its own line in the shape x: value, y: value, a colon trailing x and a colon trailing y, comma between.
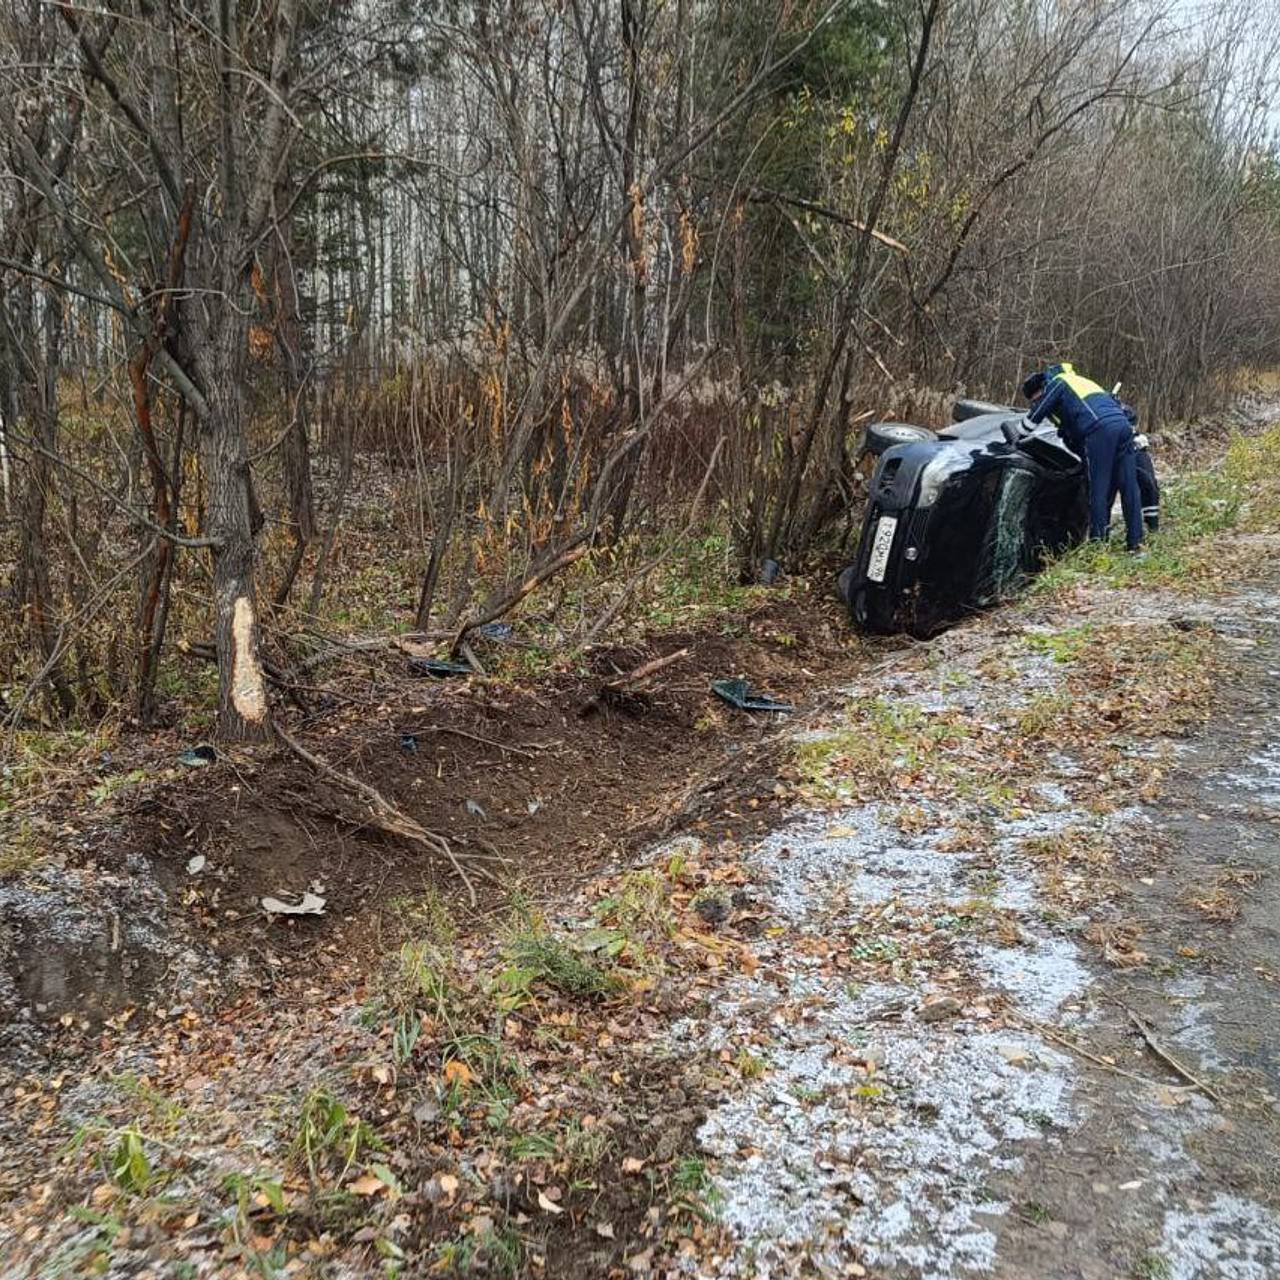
x: 233, y: 521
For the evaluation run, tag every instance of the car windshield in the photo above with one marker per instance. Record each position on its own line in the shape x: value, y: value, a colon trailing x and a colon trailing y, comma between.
x: 1007, y: 533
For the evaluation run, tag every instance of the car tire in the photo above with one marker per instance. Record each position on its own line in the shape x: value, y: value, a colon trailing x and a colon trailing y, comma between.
x: 880, y: 436
x: 963, y: 410
x: 844, y: 584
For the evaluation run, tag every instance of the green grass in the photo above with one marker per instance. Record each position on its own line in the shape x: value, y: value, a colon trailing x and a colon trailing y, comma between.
x: 164, y: 1114
x: 550, y: 959
x: 883, y: 740
x: 21, y: 852
x: 693, y: 1191
x: 1151, y: 1266
x: 130, y: 1164
x: 327, y: 1136
x: 1062, y: 646
x: 41, y: 759
x: 641, y: 905
x: 1240, y: 492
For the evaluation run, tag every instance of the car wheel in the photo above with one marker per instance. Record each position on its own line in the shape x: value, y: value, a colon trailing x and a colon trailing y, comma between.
x: 880, y: 436
x: 963, y: 410
x: 844, y: 583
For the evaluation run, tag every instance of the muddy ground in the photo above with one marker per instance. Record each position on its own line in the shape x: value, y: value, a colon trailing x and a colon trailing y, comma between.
x: 541, y: 782
x: 968, y: 967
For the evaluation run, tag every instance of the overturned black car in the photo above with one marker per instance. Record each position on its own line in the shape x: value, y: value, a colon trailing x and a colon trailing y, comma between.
x: 959, y: 519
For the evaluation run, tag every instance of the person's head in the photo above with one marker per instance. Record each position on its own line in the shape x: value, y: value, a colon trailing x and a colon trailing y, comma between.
x: 1033, y: 387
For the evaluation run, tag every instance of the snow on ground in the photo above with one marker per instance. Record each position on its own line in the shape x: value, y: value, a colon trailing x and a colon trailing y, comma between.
x: 1228, y: 1239
x: 822, y: 1158
x: 874, y: 1130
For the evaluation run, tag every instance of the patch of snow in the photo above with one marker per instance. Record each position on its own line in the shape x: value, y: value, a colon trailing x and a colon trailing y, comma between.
x: 1231, y: 1239
x: 1041, y: 977
x: 822, y: 854
x: 1264, y: 776
x: 1197, y: 1034
x: 1053, y: 793
x: 822, y: 1159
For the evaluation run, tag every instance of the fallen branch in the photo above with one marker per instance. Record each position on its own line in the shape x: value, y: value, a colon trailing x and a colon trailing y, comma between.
x: 1168, y: 1059
x: 577, y: 547
x: 645, y: 670
x: 474, y: 737
x: 468, y: 655
x: 632, y: 678
x: 409, y: 642
x: 1067, y: 1043
x: 383, y: 814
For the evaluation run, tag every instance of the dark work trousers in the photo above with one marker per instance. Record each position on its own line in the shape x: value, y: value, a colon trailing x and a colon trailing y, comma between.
x: 1113, y: 468
x: 1148, y: 490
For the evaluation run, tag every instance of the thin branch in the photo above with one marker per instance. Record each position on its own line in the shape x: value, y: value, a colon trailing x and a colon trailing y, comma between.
x: 569, y: 554
x: 383, y: 814
x: 69, y: 630
x: 194, y: 544
x: 126, y: 106
x: 763, y: 195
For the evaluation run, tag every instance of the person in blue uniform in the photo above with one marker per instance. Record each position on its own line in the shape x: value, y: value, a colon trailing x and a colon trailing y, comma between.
x: 1093, y: 424
x: 1148, y: 485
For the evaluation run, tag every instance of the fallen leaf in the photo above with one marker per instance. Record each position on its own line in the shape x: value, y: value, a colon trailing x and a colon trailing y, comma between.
x: 546, y: 1203
x: 640, y: 1261
x: 455, y: 1070
x: 448, y: 1184
x: 605, y: 1230
x: 632, y: 1164
x: 366, y: 1185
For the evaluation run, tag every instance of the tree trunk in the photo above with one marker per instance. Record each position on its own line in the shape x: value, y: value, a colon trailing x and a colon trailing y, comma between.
x: 33, y: 556
x: 291, y: 342
x: 243, y: 714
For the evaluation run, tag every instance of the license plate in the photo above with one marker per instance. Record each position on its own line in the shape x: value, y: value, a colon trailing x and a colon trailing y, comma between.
x: 880, y: 548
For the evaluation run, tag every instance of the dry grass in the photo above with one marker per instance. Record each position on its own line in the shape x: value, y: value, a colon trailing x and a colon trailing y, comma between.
x: 1118, y: 941
x: 1217, y: 902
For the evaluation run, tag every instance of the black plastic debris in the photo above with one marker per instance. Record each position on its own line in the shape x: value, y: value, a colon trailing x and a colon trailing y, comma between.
x: 496, y: 631
x: 737, y: 693
x: 408, y: 743
x: 712, y: 905
x: 770, y: 571
x: 439, y: 668
x: 198, y: 757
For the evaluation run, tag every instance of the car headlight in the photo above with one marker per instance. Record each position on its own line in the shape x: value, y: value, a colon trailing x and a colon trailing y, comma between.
x: 935, y: 475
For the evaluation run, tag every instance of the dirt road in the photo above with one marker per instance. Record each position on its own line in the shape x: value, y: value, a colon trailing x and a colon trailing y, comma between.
x: 1022, y: 1039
